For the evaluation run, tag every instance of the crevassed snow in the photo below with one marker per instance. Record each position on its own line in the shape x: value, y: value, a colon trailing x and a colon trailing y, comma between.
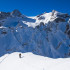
x: 30, y: 61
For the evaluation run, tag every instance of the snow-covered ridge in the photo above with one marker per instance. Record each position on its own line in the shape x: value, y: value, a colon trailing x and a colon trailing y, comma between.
x: 47, y: 34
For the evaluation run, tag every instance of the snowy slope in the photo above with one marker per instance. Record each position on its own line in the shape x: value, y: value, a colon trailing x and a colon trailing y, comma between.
x: 47, y: 34
x: 30, y: 61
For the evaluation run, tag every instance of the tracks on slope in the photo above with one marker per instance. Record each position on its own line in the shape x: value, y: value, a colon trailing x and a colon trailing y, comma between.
x: 3, y: 59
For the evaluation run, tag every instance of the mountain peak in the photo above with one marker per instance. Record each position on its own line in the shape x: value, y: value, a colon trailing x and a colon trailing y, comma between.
x: 16, y: 13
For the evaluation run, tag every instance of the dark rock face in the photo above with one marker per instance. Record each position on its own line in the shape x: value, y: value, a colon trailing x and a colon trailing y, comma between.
x: 67, y: 27
x: 3, y: 32
x: 41, y: 18
x: 16, y: 13
x: 41, y: 23
x: 59, y: 20
x: 63, y: 15
x: 67, y: 30
x: 4, y: 15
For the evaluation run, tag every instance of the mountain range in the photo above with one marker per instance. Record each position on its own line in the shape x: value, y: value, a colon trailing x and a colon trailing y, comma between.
x: 47, y: 34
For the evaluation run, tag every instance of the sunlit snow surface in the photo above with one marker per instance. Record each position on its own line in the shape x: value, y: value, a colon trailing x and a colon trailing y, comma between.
x: 30, y: 61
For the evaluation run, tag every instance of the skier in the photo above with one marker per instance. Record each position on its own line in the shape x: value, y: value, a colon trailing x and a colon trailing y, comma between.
x: 20, y: 55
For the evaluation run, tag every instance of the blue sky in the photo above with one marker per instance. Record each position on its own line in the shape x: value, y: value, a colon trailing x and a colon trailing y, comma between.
x: 35, y: 7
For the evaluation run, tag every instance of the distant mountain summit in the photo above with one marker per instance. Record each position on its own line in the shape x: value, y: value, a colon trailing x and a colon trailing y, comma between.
x: 47, y: 34
x: 16, y: 13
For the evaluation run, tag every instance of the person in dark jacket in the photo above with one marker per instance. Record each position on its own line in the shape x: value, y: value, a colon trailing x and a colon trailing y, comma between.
x: 20, y: 55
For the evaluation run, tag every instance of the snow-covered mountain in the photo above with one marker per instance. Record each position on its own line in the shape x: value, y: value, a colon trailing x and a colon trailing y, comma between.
x: 47, y: 34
